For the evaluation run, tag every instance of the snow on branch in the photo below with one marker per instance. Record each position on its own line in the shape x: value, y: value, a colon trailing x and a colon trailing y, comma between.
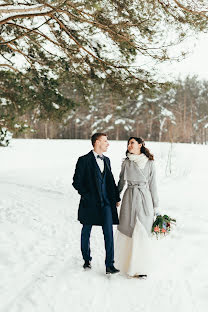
x: 20, y: 8
x: 11, y: 12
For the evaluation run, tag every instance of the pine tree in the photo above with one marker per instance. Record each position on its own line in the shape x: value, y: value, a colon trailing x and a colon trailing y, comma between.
x: 89, y: 43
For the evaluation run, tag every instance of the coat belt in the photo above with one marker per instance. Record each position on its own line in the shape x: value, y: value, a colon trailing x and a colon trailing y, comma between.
x: 138, y: 200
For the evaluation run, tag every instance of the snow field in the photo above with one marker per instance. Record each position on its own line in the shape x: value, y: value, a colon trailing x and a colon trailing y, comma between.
x: 40, y: 259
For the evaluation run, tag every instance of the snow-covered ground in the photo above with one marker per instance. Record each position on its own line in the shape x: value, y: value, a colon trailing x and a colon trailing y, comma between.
x: 40, y: 260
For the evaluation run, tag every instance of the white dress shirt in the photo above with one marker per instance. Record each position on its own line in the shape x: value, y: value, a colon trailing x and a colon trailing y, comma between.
x: 100, y: 162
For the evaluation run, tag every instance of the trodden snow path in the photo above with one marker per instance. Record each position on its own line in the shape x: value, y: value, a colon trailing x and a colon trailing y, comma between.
x: 40, y: 260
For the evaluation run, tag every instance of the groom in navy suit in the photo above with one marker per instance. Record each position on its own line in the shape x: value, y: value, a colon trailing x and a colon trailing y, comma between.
x: 95, y: 183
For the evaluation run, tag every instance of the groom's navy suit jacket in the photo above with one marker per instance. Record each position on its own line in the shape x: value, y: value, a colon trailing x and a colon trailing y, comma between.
x: 86, y: 181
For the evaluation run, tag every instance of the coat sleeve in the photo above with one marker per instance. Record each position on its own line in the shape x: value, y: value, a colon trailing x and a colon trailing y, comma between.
x: 121, y: 182
x: 153, y: 186
x: 118, y: 199
x: 78, y: 178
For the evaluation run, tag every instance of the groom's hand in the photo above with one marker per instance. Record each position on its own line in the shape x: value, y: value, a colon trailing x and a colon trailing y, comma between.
x: 118, y: 204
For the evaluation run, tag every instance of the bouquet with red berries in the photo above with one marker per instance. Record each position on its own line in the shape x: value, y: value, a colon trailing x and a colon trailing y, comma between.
x: 162, y: 225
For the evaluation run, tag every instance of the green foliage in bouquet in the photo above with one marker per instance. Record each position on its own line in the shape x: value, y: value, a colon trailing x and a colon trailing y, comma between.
x: 162, y: 225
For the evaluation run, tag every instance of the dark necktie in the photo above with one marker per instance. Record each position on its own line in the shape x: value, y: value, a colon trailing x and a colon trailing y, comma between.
x: 101, y: 157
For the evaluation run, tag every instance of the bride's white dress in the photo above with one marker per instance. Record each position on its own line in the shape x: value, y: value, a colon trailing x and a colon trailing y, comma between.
x: 133, y: 255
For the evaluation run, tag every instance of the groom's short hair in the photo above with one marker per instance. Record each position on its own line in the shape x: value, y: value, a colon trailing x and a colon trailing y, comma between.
x: 96, y: 136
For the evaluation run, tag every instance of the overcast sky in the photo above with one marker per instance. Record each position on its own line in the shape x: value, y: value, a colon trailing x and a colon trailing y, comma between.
x: 195, y: 63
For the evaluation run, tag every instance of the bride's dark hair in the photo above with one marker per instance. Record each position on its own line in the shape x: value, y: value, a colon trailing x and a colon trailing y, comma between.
x: 144, y: 150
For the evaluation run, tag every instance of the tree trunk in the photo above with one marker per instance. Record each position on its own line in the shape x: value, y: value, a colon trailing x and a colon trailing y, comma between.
x: 46, y: 129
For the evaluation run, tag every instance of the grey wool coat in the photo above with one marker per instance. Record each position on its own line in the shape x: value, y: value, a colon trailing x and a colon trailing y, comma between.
x: 140, y: 197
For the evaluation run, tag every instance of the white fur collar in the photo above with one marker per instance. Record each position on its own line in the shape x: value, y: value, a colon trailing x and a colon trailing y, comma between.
x: 140, y: 160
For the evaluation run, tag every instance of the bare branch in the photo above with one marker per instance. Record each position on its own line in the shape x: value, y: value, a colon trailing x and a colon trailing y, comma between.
x: 10, y: 66
x: 8, y: 60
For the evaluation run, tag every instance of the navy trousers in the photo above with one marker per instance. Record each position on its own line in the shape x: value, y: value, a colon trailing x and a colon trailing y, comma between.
x: 107, y: 228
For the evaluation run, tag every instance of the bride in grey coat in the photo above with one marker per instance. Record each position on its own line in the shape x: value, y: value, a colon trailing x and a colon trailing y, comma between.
x: 139, y: 205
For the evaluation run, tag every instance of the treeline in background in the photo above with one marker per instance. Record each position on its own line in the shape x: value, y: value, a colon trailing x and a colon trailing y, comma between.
x: 178, y: 113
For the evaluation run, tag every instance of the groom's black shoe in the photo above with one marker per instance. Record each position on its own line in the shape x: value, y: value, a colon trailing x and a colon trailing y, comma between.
x: 87, y: 265
x: 111, y: 270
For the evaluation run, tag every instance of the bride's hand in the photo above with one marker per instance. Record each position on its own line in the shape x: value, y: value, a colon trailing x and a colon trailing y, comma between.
x: 157, y: 212
x: 118, y: 204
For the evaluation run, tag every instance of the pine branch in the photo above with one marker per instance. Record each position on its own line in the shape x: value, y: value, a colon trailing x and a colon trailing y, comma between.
x: 39, y: 33
x: 201, y: 13
x: 15, y: 49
